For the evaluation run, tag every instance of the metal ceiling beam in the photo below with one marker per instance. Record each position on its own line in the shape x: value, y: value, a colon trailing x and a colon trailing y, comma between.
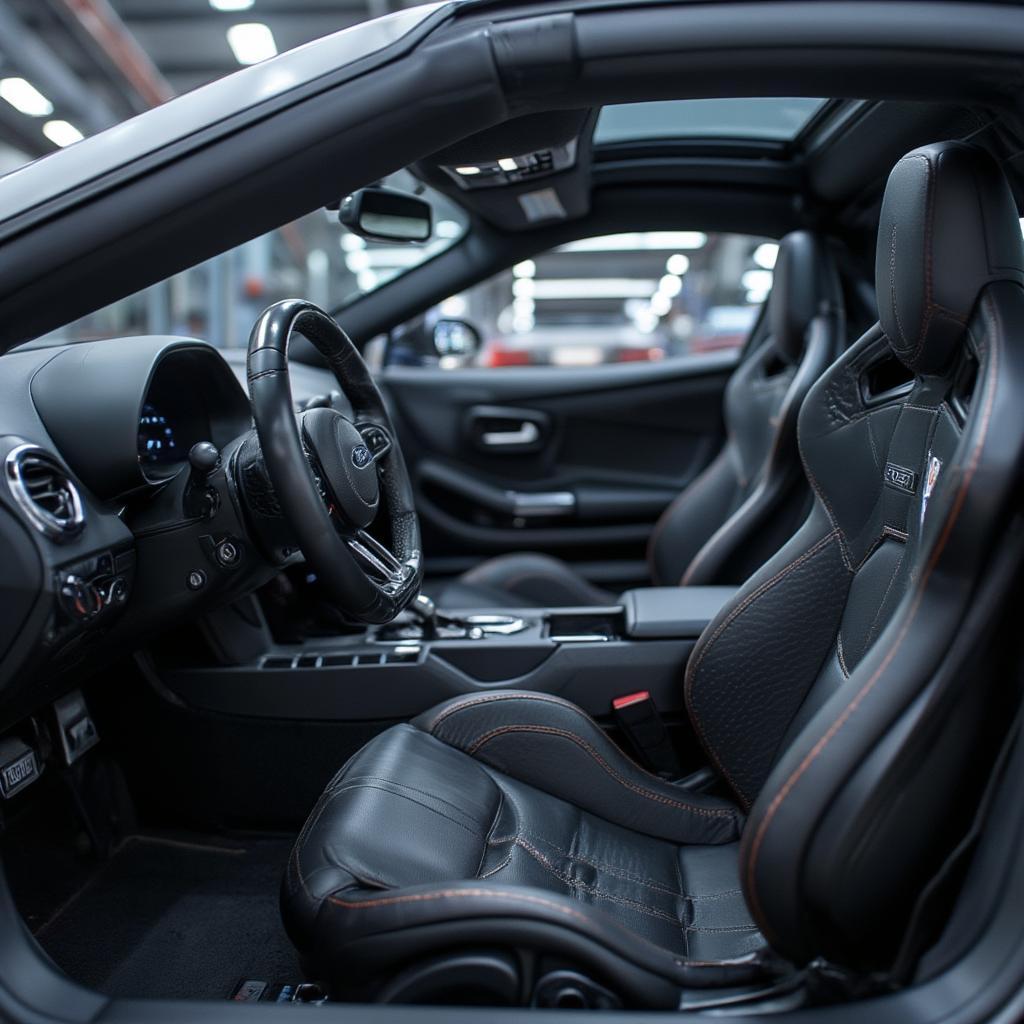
x: 102, y: 31
x: 49, y: 74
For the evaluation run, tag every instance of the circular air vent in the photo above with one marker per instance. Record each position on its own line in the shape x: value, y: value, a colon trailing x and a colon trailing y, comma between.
x: 44, y: 491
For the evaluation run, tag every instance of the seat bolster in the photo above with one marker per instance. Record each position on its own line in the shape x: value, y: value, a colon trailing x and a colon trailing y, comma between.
x: 362, y: 927
x: 554, y: 746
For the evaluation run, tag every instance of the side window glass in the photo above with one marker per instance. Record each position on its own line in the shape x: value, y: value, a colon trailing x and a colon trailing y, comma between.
x: 634, y: 297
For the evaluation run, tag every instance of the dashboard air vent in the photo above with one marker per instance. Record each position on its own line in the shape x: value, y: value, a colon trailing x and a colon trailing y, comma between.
x: 45, y: 492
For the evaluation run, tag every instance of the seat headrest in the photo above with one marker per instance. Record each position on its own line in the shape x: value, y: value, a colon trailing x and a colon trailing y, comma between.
x: 797, y: 294
x: 948, y: 227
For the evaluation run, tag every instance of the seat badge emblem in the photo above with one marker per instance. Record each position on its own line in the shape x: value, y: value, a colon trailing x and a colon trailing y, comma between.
x: 900, y: 477
x: 930, y: 480
x: 361, y: 456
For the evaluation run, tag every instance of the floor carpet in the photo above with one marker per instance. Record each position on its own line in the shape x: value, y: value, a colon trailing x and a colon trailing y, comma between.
x: 171, y: 918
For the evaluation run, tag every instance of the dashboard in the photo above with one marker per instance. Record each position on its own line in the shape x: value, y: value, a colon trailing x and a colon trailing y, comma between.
x: 107, y: 534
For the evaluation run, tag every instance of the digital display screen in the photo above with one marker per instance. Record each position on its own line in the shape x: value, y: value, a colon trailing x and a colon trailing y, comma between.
x: 157, y: 442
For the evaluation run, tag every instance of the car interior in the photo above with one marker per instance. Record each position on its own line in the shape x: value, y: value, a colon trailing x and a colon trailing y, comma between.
x: 382, y: 664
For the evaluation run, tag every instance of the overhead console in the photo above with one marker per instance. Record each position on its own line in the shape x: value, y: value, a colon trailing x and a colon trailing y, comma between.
x: 528, y: 171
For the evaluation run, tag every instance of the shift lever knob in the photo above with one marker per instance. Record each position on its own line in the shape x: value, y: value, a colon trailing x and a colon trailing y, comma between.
x: 423, y: 607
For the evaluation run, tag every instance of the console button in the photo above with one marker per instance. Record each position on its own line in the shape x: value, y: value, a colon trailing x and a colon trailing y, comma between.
x: 196, y: 579
x: 227, y: 553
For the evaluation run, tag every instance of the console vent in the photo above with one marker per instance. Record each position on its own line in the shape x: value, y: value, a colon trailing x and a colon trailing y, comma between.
x: 45, y: 492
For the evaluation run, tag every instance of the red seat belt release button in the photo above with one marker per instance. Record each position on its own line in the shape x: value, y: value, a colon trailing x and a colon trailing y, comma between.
x: 638, y: 717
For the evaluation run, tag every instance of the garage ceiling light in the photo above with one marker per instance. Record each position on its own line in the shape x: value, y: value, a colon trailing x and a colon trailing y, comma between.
x: 652, y: 240
x: 62, y: 133
x: 251, y: 42
x: 25, y: 97
x: 231, y: 5
x: 591, y: 288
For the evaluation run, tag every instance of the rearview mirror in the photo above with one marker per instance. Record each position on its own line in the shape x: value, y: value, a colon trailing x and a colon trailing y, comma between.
x: 386, y: 215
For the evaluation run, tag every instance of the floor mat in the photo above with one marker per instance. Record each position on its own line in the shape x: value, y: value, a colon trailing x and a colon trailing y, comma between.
x: 166, y: 918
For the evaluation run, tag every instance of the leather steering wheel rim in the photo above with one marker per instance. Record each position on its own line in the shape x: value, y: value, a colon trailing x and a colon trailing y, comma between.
x: 369, y: 581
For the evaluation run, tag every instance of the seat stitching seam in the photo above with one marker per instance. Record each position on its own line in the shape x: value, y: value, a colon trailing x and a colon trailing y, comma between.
x: 560, y: 908
x: 575, y: 883
x: 490, y: 832
x: 885, y: 596
x: 839, y: 654
x: 426, y: 807
x: 485, y: 738
x: 611, y: 869
x: 472, y: 702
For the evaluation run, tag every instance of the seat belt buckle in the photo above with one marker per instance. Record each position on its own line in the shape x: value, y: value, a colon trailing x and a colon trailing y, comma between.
x: 638, y: 717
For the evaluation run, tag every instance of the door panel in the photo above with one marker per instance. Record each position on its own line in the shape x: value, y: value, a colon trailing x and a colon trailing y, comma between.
x: 585, y: 460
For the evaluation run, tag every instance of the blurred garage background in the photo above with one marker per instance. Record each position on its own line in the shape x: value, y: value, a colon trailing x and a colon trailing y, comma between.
x: 70, y: 68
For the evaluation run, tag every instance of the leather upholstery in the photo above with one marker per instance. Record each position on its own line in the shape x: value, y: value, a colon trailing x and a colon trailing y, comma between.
x: 752, y: 497
x: 840, y: 694
x: 414, y: 833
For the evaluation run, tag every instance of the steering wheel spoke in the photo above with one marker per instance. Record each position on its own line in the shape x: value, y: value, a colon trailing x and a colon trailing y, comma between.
x: 378, y: 440
x: 379, y: 564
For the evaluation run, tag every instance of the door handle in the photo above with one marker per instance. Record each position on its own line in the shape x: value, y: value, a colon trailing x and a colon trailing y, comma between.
x: 502, y: 430
x: 528, y: 433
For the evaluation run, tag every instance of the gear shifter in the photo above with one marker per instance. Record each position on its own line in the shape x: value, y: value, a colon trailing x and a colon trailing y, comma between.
x: 424, y: 610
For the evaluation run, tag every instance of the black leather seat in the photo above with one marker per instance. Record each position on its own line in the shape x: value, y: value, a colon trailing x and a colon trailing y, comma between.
x: 840, y: 695
x: 749, y: 501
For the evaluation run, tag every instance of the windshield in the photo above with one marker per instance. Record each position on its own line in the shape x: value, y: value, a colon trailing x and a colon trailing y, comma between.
x: 314, y: 257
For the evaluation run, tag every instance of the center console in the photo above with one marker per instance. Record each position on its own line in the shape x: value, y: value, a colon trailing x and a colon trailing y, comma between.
x: 586, y: 655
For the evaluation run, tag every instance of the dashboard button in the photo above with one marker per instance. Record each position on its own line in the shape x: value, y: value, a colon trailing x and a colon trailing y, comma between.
x: 227, y: 553
x: 196, y: 580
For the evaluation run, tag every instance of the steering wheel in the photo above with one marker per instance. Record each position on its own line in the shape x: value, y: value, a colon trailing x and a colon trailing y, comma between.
x: 332, y: 477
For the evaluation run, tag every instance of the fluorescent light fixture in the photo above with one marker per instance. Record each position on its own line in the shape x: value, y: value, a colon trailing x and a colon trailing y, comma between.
x: 454, y: 306
x: 62, y: 133
x: 357, y: 259
x: 468, y: 170
x: 25, y: 97
x: 678, y: 264
x: 447, y: 229
x: 765, y: 255
x: 670, y: 285
x: 757, y: 280
x: 524, y: 307
x: 646, y: 322
x: 524, y: 288
x: 367, y: 280
x: 506, y: 163
x: 592, y: 288
x: 251, y: 42
x: 661, y: 304
x: 350, y: 242
x: 630, y: 240
x: 231, y: 5
x: 525, y: 269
